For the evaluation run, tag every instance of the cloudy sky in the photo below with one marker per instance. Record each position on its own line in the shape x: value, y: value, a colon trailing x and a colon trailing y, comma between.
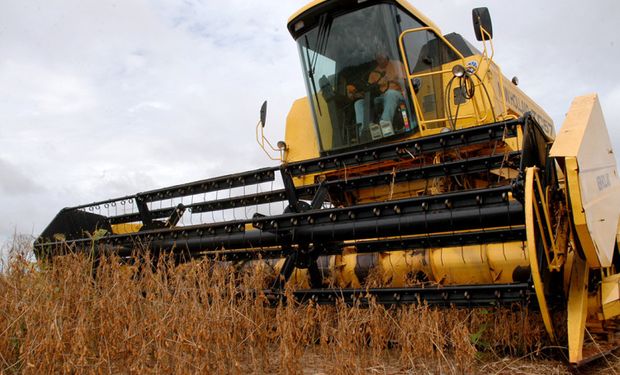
x: 103, y: 98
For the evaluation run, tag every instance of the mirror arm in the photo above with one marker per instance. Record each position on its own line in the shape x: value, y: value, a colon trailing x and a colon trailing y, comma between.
x: 262, y: 140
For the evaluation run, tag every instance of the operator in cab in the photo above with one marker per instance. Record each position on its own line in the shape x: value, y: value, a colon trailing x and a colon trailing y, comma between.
x: 386, y: 81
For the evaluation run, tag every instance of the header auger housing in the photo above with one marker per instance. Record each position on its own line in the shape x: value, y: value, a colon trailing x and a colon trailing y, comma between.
x: 459, y: 195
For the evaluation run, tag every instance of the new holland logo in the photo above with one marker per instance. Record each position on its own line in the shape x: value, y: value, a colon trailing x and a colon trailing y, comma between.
x: 472, y: 67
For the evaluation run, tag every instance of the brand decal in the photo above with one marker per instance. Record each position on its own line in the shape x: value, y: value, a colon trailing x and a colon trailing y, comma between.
x: 603, y: 182
x: 518, y: 103
x: 472, y: 67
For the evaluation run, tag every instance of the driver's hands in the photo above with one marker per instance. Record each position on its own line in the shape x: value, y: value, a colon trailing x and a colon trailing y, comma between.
x: 353, y: 94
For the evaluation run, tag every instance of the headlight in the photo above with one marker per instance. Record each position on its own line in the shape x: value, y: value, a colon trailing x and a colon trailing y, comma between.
x: 458, y: 71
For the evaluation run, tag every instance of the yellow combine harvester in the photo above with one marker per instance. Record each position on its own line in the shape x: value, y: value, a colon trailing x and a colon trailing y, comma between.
x: 412, y: 158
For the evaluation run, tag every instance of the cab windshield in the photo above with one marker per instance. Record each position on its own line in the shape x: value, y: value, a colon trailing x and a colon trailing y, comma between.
x: 355, y: 77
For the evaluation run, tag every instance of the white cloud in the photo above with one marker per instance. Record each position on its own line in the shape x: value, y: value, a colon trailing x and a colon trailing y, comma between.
x: 14, y: 182
x: 150, y: 105
x: 33, y: 89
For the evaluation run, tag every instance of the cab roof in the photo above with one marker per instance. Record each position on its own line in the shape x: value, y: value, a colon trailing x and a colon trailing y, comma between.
x: 322, y: 6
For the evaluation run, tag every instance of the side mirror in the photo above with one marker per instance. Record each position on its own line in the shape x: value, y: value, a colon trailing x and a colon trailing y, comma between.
x: 263, y: 113
x: 262, y: 141
x: 482, y: 20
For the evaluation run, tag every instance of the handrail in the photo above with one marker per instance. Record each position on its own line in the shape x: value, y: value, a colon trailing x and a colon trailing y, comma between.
x: 410, y: 76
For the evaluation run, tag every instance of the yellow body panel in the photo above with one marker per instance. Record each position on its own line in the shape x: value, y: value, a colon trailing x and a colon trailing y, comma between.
x: 579, y: 217
x: 479, y: 264
x: 300, y: 136
x: 126, y: 228
x: 592, y: 177
x: 518, y: 103
x: 610, y: 296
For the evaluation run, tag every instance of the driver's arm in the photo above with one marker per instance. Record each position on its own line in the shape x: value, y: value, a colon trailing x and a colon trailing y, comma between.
x: 353, y: 93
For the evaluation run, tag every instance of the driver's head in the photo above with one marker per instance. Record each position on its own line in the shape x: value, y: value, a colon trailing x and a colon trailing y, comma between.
x: 382, y: 59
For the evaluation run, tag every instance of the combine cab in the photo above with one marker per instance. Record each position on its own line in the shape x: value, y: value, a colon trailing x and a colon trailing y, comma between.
x: 412, y: 159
